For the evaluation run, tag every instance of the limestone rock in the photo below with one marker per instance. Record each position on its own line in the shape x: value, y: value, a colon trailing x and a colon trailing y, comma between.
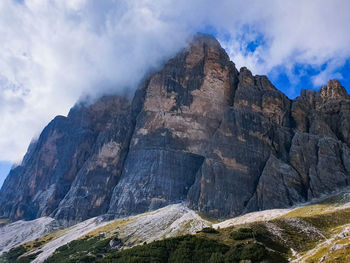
x: 322, y: 162
x: 182, y: 107
x: 249, y: 132
x: 90, y: 193
x: 52, y: 168
x: 279, y: 186
x: 197, y: 131
x: 333, y: 91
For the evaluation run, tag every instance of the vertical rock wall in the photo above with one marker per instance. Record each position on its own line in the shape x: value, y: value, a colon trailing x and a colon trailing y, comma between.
x: 199, y: 131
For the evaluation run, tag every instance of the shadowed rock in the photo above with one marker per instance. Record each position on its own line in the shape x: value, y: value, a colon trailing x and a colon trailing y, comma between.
x: 198, y: 130
x: 183, y: 106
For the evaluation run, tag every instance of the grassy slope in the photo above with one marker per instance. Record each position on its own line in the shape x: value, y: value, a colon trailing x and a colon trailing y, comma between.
x: 318, y: 231
x: 332, y: 216
x: 208, y: 246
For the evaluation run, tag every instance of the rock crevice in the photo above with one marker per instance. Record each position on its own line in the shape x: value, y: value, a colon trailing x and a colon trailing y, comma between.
x: 198, y: 130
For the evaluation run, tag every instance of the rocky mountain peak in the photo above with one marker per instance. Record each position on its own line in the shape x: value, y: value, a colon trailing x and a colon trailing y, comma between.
x: 199, y: 131
x: 205, y: 39
x: 246, y: 76
x: 333, y: 91
x: 205, y: 49
x: 259, y: 82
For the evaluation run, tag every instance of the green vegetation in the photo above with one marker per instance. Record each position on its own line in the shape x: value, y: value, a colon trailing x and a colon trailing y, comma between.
x: 254, y: 252
x: 270, y: 241
x: 297, y: 238
x: 13, y: 254
x: 38, y: 243
x: 262, y: 235
x: 242, y: 234
x: 209, y: 230
x: 17, y: 255
x: 189, y: 249
x: 210, y: 245
x: 27, y: 259
x: 87, y: 249
x: 301, y: 234
x: 340, y: 256
x: 330, y: 220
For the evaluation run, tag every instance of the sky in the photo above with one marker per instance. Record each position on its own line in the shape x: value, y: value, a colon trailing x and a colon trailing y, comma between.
x: 54, y: 52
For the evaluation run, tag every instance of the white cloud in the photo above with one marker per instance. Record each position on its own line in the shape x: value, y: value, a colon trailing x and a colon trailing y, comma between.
x: 312, y: 32
x: 53, y: 52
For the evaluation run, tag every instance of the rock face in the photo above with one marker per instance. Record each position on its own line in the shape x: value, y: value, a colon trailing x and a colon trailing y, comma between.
x: 92, y: 140
x: 91, y: 190
x: 199, y: 131
x: 256, y: 126
x: 182, y: 108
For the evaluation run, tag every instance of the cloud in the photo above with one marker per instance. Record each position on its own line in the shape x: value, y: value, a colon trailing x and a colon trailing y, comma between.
x: 54, y: 52
x: 308, y: 32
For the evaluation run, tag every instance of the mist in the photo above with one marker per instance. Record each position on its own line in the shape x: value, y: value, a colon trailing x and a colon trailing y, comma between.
x: 55, y: 52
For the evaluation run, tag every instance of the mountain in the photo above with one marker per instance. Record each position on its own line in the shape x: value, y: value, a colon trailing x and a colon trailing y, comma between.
x: 197, y: 131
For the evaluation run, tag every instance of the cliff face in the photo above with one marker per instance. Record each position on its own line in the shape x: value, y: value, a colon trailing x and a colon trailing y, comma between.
x: 91, y: 140
x: 256, y: 127
x: 227, y: 142
x: 182, y: 108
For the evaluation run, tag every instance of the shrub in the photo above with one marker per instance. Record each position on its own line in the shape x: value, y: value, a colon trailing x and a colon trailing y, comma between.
x: 27, y: 259
x: 209, y: 230
x: 217, y: 258
x: 37, y: 243
x: 242, y: 234
x: 14, y: 253
x: 233, y: 255
x: 254, y: 252
x: 87, y: 259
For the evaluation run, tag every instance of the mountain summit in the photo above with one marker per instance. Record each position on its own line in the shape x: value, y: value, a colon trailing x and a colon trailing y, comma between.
x: 199, y: 131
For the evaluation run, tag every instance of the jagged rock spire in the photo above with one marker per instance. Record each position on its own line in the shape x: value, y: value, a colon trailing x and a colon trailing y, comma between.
x: 334, y: 90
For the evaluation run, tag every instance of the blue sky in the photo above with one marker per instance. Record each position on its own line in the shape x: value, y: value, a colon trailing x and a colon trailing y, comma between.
x: 305, y: 74
x: 4, y: 169
x: 54, y: 52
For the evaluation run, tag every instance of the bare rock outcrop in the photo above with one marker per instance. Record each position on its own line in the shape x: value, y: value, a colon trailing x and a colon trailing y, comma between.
x: 197, y: 131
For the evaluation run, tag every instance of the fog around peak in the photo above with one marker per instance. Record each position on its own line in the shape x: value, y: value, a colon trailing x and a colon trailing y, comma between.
x: 55, y: 52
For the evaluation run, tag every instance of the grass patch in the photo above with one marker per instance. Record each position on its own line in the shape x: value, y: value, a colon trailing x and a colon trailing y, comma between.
x: 262, y: 235
x: 325, y: 206
x: 110, y: 227
x: 330, y: 220
x: 44, y: 240
x: 298, y: 239
x: 341, y: 255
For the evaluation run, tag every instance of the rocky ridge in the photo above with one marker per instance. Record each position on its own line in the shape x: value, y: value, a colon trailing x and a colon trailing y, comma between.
x: 199, y: 131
